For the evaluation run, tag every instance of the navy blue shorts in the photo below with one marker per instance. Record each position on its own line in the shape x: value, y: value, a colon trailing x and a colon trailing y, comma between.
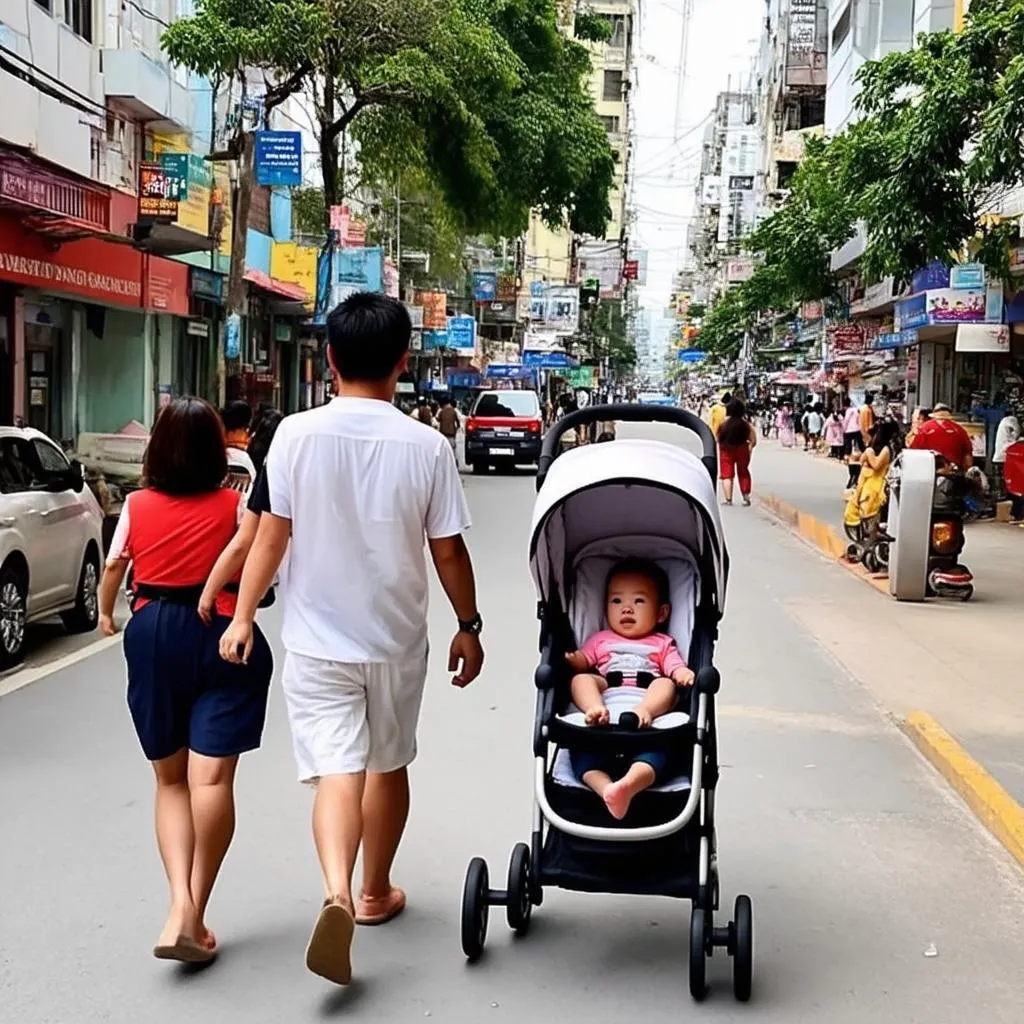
x: 182, y: 694
x: 616, y: 765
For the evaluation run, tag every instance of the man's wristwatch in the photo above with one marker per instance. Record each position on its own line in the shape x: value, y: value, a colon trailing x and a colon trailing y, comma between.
x: 472, y: 626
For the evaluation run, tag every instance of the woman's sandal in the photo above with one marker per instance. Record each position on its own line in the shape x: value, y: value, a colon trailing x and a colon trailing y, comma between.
x: 376, y: 910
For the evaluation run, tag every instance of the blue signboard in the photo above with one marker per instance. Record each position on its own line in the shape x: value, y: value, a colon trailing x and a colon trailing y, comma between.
x: 462, y: 334
x: 485, y: 286
x: 967, y: 276
x: 548, y: 360
x: 462, y: 378
x: 278, y: 158
x: 232, y: 336
x: 935, y: 275
x: 433, y: 340
x: 899, y: 339
x: 691, y: 355
x: 536, y: 289
x: 510, y: 371
x: 912, y: 312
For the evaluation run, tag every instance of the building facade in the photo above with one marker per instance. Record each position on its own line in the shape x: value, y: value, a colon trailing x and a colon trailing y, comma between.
x: 112, y: 288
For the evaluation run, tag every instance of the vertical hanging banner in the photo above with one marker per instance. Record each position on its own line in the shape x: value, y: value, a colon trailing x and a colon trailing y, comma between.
x: 278, y: 158
x: 233, y: 337
x: 435, y: 310
x: 462, y: 335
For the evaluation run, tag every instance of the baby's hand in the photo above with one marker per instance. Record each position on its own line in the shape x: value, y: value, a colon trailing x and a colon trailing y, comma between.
x: 577, y: 661
x: 683, y: 676
x: 597, y: 715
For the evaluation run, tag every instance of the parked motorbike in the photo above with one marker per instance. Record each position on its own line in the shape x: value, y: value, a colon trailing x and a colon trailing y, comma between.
x: 947, y: 576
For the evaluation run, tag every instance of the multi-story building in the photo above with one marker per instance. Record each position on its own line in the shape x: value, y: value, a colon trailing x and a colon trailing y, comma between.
x: 555, y: 256
x: 792, y: 76
x: 115, y: 233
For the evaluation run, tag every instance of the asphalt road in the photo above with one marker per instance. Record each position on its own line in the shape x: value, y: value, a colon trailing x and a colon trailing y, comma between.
x: 857, y: 857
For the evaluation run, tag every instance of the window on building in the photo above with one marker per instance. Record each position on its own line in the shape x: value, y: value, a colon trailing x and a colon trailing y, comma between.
x: 842, y: 29
x: 612, y: 86
x: 617, y: 155
x: 78, y: 15
x: 611, y: 124
x: 47, y: 5
x: 617, y: 40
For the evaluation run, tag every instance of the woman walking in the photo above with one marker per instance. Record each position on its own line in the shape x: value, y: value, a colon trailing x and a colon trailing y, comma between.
x: 736, y: 440
x: 194, y: 713
x: 784, y: 426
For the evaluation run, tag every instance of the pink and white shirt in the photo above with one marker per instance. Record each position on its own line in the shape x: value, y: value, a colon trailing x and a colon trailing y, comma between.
x: 656, y: 654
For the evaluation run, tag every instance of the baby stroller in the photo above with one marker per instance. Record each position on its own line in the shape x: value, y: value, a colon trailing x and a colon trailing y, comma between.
x: 596, y: 505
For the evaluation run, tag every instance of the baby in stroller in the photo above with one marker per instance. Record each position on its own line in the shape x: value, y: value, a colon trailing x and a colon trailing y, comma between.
x: 636, y: 666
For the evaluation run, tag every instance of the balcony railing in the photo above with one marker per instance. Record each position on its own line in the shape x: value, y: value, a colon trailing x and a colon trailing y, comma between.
x: 35, y: 188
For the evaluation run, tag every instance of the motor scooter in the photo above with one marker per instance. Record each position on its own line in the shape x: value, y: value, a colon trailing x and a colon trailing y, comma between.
x: 947, y: 576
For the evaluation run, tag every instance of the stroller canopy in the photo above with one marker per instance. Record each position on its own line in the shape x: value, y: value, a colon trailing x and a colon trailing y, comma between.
x: 627, y: 497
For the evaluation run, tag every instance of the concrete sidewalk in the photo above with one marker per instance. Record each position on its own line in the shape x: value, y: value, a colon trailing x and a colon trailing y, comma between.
x: 959, y: 662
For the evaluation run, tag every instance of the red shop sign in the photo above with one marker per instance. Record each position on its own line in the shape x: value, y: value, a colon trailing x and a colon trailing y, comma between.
x: 105, y: 272
x: 166, y: 286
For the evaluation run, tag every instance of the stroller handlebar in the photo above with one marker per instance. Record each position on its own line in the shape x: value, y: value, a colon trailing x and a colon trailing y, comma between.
x: 628, y: 413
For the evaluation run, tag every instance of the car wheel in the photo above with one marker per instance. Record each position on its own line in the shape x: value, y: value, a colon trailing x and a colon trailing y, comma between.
x: 13, y: 597
x: 86, y: 613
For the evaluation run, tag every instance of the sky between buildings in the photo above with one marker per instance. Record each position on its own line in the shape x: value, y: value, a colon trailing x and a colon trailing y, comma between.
x: 724, y: 36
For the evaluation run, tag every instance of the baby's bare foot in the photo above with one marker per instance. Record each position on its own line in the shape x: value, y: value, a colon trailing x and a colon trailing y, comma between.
x: 617, y: 799
x: 644, y: 717
x: 597, y: 715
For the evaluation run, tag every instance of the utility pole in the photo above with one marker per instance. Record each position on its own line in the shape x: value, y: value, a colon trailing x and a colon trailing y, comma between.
x: 684, y: 50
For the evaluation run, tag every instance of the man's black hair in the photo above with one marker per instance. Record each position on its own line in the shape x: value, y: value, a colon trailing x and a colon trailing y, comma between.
x: 644, y: 567
x: 367, y: 335
x: 727, y: 398
x: 236, y: 416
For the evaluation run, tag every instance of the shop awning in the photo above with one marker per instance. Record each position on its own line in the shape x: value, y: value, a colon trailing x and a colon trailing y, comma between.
x: 277, y: 288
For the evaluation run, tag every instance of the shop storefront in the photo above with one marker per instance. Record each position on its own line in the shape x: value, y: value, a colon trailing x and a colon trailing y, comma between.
x: 82, y: 355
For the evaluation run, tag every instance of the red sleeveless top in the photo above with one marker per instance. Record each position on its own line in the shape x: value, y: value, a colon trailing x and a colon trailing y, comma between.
x: 175, y: 541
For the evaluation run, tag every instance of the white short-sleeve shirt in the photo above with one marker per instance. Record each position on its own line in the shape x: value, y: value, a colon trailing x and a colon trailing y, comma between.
x: 364, y: 486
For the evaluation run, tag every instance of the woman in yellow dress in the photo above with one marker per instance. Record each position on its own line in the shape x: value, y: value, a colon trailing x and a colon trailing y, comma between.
x: 868, y: 498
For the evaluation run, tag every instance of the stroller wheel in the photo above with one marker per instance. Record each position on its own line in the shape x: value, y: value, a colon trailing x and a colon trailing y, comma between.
x: 854, y: 552
x: 882, y: 553
x: 742, y: 948
x: 519, y: 907
x: 870, y: 560
x: 698, y: 953
x: 475, y: 909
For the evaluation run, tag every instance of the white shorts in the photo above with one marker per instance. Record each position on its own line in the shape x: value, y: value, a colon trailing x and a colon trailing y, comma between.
x: 348, y: 718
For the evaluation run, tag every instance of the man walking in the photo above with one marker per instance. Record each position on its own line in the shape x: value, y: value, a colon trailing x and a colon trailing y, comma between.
x: 353, y: 489
x: 448, y: 422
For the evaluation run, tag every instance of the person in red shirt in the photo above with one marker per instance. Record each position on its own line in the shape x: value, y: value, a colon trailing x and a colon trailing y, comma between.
x: 944, y: 436
x: 193, y: 712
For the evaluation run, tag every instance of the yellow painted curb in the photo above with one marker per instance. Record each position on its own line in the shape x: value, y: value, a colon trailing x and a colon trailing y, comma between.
x: 994, y: 807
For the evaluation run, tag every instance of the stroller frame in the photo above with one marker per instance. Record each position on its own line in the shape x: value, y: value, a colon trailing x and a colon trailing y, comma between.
x: 685, y: 848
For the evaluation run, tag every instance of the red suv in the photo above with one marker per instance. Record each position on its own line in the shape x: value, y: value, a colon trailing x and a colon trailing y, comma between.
x: 504, y: 428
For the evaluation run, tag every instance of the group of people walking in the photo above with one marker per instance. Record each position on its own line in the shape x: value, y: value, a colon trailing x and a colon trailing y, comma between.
x: 344, y: 502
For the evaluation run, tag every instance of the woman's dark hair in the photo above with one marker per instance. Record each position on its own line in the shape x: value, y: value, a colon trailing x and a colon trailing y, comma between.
x: 187, y: 451
x: 734, y: 429
x: 885, y: 434
x: 262, y: 434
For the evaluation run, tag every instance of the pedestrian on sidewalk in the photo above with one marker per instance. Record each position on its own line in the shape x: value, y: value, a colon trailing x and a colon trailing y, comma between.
x: 448, y: 422
x: 815, y: 423
x: 719, y: 411
x: 737, y: 439
x: 784, y: 426
x: 834, y: 435
x: 852, y: 441
x: 356, y: 492
x: 866, y: 420
x: 194, y: 714
x: 1007, y: 433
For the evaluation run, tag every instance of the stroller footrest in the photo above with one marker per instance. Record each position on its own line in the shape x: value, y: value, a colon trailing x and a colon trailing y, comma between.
x: 575, y: 735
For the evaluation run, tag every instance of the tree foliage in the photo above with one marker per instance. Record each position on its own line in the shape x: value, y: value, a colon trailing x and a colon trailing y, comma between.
x: 485, y: 98
x: 936, y: 143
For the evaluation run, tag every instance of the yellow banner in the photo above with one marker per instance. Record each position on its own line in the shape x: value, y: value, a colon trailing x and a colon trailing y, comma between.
x: 222, y: 195
x: 295, y: 264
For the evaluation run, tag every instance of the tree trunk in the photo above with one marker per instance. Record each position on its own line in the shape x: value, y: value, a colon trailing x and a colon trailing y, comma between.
x: 235, y: 302
x: 329, y: 147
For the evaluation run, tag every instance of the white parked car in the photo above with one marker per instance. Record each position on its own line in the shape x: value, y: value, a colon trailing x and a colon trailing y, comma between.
x: 51, y: 540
